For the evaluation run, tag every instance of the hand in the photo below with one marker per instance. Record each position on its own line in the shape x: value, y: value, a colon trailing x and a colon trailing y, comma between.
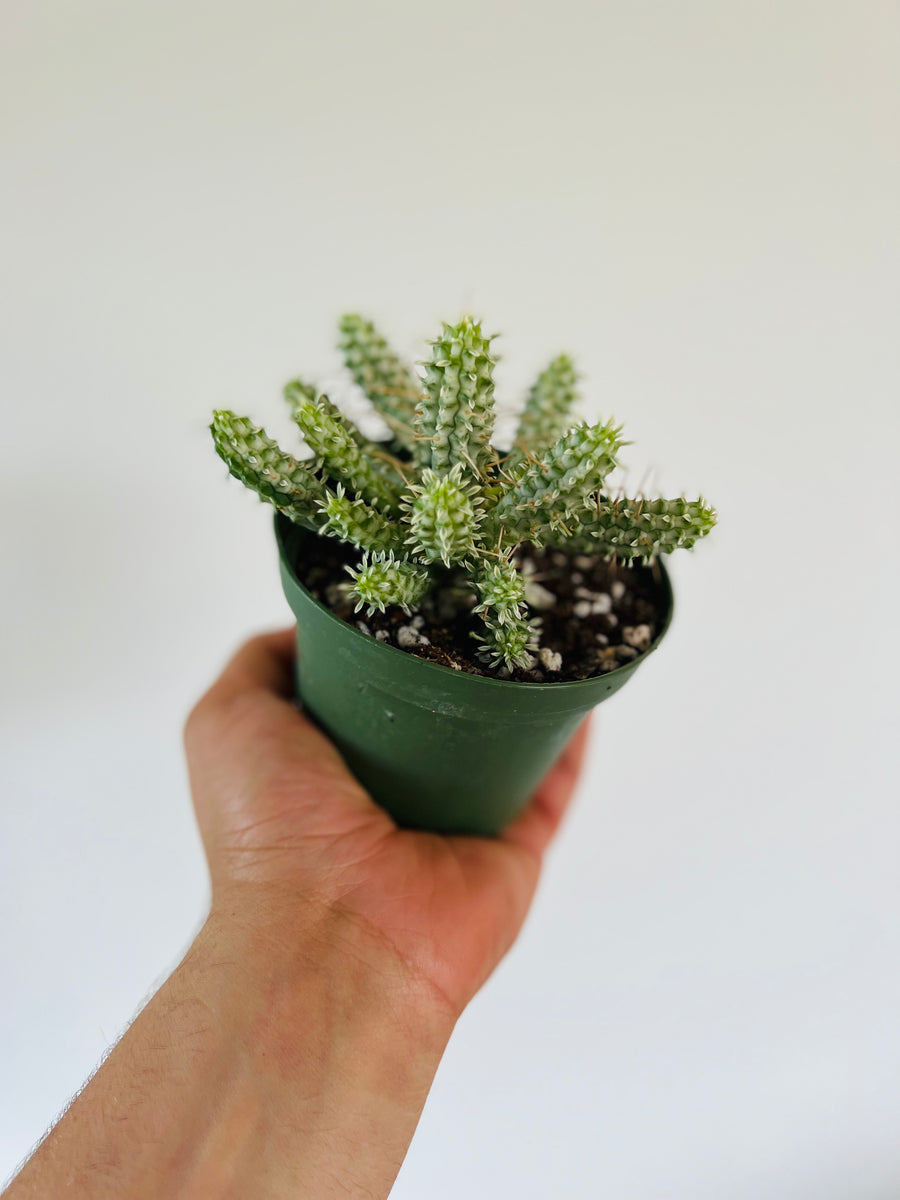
x: 287, y: 828
x: 291, y: 1052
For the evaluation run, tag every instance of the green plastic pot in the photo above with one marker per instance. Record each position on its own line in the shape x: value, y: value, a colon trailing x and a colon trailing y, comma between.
x: 437, y: 748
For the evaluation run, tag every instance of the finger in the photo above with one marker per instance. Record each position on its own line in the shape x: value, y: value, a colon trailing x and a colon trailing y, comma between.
x: 534, y: 828
x: 265, y: 663
x: 257, y: 678
x: 245, y: 725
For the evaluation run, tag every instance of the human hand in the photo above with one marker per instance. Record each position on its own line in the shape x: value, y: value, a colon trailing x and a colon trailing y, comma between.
x: 292, y: 1050
x: 288, y: 831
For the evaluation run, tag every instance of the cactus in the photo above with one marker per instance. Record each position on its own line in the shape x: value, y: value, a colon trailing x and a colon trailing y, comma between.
x: 438, y: 501
x: 546, y: 412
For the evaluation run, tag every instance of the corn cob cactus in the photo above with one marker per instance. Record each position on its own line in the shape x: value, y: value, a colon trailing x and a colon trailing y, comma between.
x: 437, y: 499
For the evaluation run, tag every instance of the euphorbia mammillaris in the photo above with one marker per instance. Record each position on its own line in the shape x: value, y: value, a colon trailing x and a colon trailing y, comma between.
x: 438, y: 497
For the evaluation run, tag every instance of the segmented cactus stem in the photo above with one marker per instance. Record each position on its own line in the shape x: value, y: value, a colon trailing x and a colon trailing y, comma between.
x: 331, y: 439
x: 546, y: 413
x: 556, y: 483
x: 509, y: 643
x: 384, y: 580
x: 297, y: 394
x: 388, y: 382
x: 259, y: 462
x: 629, y: 529
x: 443, y: 514
x: 501, y: 591
x: 354, y: 521
x: 456, y: 415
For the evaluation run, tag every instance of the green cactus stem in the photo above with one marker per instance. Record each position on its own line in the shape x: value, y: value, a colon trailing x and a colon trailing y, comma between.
x: 258, y: 462
x: 384, y: 580
x: 456, y: 414
x: 630, y: 529
x: 501, y: 591
x: 556, y: 483
x: 354, y: 521
x: 299, y: 394
x: 388, y: 382
x: 443, y: 513
x: 546, y: 414
x: 510, y: 643
x: 331, y: 438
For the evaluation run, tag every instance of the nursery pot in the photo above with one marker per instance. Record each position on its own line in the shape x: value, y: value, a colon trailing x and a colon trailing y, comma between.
x: 438, y: 748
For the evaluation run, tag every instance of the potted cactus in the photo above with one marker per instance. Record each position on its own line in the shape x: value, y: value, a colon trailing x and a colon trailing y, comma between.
x: 436, y: 580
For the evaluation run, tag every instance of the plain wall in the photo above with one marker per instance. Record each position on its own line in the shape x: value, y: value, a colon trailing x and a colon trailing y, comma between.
x: 699, y: 200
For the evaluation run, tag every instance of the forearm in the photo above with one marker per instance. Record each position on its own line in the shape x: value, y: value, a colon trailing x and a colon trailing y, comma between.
x: 283, y: 1060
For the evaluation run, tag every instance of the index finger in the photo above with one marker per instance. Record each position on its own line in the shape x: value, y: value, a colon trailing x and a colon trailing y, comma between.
x: 264, y: 663
x: 262, y: 669
x: 245, y: 725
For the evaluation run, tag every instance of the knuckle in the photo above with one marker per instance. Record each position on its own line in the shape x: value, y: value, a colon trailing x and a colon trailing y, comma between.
x: 253, y: 646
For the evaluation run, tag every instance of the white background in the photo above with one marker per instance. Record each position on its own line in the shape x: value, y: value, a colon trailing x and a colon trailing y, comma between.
x: 698, y: 200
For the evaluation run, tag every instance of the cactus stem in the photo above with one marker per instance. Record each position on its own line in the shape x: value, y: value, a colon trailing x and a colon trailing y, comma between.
x: 466, y: 457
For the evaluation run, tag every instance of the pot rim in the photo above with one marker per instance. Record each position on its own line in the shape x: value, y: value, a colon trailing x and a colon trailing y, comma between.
x: 283, y: 523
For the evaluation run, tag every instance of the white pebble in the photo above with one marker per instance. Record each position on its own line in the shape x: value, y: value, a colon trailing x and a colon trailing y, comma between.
x: 538, y: 596
x: 550, y: 659
x: 558, y: 560
x: 584, y: 561
x: 407, y: 637
x: 612, y: 620
x: 617, y: 589
x: 626, y: 652
x: 418, y: 621
x: 381, y: 635
x: 602, y: 639
x: 582, y: 608
x: 363, y: 628
x: 577, y: 577
x: 599, y: 603
x: 638, y: 636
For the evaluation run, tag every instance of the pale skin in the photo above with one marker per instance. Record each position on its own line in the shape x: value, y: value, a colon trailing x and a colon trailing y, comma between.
x: 291, y: 1052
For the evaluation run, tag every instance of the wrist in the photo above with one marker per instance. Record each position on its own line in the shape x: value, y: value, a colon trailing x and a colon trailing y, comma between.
x: 281, y: 1058
x: 333, y: 1045
x: 275, y: 939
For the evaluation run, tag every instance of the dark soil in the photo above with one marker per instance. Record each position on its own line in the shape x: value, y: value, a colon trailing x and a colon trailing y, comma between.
x: 595, y: 615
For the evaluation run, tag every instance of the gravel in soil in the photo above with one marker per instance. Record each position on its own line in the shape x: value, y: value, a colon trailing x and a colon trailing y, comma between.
x: 595, y: 615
